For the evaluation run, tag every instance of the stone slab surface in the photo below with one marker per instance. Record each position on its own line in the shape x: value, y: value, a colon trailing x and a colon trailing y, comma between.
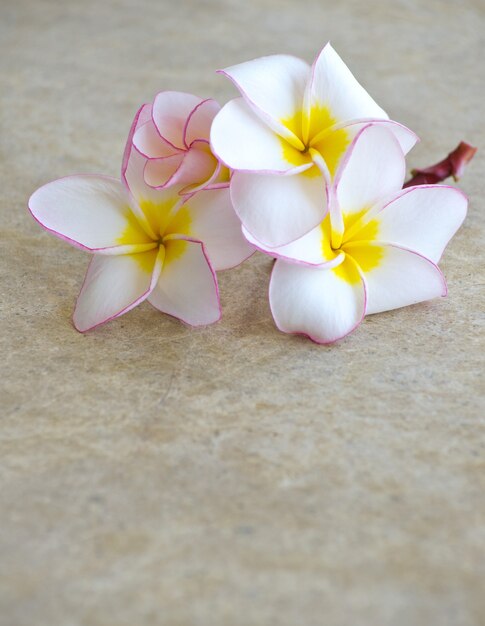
x: 233, y: 476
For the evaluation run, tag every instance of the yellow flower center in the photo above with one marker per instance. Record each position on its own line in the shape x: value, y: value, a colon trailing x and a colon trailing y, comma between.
x: 358, y: 246
x: 314, y: 131
x: 154, y: 229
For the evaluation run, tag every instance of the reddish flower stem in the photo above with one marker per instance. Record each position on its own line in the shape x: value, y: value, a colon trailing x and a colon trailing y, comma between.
x: 453, y: 165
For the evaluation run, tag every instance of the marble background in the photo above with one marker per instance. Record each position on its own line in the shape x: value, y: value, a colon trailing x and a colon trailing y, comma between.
x: 233, y: 476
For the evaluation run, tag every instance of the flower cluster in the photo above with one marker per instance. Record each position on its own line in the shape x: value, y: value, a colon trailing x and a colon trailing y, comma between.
x: 304, y: 166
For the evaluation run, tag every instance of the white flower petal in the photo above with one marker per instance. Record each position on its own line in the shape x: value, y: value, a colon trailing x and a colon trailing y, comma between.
x: 405, y: 136
x: 147, y: 140
x: 133, y: 175
x: 274, y: 87
x: 317, y: 302
x: 279, y: 209
x: 90, y: 212
x: 113, y: 286
x: 142, y: 117
x: 187, y: 287
x: 133, y: 165
x: 160, y: 173
x: 401, y: 278
x: 334, y: 86
x: 243, y: 142
x: 170, y: 112
x: 198, y: 165
x: 214, y: 223
x: 373, y: 168
x: 423, y: 219
x: 311, y: 249
x: 200, y: 120
x: 333, y: 144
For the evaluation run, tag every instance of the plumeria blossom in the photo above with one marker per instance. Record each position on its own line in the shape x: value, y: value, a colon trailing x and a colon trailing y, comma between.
x: 173, y: 135
x: 377, y: 249
x: 286, y: 136
x: 147, y: 243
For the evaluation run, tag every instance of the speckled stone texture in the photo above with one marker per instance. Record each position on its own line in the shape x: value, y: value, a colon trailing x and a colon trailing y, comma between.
x: 233, y: 476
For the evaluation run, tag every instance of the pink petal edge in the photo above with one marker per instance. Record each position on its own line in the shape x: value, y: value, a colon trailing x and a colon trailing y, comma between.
x: 275, y: 255
x: 297, y: 169
x: 146, y: 156
x: 299, y: 236
x: 262, y: 114
x: 129, y: 144
x: 349, y: 151
x: 407, y: 190
x: 155, y: 124
x: 189, y: 117
x: 422, y: 256
x: 72, y: 242
x: 214, y: 277
x: 131, y: 306
x: 378, y: 121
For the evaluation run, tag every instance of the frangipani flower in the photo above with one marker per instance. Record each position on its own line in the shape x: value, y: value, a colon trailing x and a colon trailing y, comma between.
x: 147, y: 243
x: 173, y: 135
x: 286, y: 136
x: 376, y: 250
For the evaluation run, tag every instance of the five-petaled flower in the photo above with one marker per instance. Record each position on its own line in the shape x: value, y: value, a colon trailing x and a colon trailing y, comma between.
x: 384, y: 257
x: 173, y: 135
x: 147, y: 243
x: 286, y: 136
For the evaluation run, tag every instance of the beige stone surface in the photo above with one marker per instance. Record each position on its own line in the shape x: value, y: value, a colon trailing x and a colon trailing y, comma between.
x: 233, y: 476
